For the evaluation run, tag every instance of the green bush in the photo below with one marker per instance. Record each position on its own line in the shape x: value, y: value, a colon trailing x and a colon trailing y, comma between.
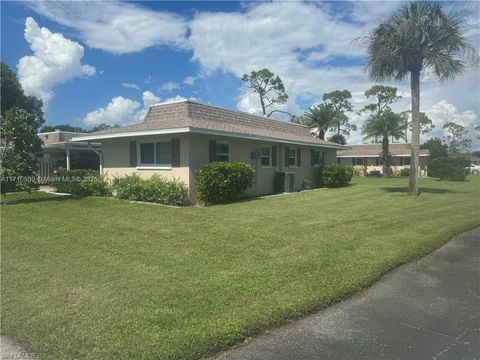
x: 449, y: 168
x: 337, y: 175
x: 375, y: 173
x: 221, y: 182
x: 154, y: 189
x: 81, y: 182
x: 357, y: 171
x: 405, y: 172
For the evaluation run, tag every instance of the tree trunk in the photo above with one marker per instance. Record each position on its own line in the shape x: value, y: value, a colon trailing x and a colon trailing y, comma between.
x: 321, y: 134
x: 414, y: 162
x: 263, y: 105
x: 387, y: 170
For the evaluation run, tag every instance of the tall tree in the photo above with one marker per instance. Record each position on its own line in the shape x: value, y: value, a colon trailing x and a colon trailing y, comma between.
x: 321, y: 118
x: 456, y: 139
x: 384, y: 97
x: 420, y: 36
x: 435, y: 148
x: 12, y: 96
x: 341, y: 102
x: 426, y: 124
x: 269, y: 88
x: 387, y: 124
x: 61, y: 127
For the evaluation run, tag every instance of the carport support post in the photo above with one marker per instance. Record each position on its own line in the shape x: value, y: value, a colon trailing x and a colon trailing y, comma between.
x: 68, y: 156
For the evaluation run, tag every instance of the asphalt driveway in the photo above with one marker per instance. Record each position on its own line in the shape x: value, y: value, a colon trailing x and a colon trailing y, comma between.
x: 429, y: 309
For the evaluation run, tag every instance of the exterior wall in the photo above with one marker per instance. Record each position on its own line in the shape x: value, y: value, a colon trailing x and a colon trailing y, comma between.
x: 370, y: 164
x: 194, y: 152
x: 116, y: 159
x: 241, y: 149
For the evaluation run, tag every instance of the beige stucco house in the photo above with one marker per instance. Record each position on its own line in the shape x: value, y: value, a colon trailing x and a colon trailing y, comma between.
x: 369, y: 157
x: 176, y: 138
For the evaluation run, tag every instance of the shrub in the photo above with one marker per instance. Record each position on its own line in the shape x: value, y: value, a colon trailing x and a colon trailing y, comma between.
x: 221, y: 182
x: 449, y: 169
x: 307, y: 184
x: 81, y: 182
x: 405, y: 172
x: 127, y: 187
x: 358, y: 171
x: 337, y: 175
x: 154, y: 189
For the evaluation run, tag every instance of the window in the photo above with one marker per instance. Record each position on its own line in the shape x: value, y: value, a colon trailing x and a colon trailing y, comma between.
x: 317, y: 158
x: 266, y: 156
x: 223, y: 152
x: 406, y: 161
x: 159, y: 153
x: 359, y: 161
x: 292, y: 157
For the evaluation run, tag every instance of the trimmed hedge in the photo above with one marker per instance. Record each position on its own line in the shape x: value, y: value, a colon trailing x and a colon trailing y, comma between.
x: 449, y: 168
x: 155, y: 189
x: 81, y: 182
x: 405, y: 172
x: 223, y: 181
x: 336, y: 175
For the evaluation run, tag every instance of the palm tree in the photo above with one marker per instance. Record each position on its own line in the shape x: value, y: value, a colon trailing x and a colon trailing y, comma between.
x: 385, y: 125
x: 321, y: 117
x: 420, y: 36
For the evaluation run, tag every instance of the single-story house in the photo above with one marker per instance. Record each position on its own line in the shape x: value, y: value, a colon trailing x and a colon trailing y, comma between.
x: 58, y: 150
x: 466, y: 156
x: 369, y: 157
x: 176, y: 138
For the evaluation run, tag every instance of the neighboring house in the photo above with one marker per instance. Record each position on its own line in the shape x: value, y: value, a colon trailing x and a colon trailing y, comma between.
x: 58, y: 150
x: 466, y: 156
x: 369, y: 157
x: 176, y: 138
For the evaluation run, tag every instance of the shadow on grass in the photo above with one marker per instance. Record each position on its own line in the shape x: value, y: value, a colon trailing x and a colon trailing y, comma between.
x: 36, y: 198
x: 404, y: 190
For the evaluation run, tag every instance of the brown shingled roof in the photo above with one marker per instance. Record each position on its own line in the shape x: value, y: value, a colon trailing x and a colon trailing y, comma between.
x: 376, y: 149
x: 197, y: 116
x: 58, y: 136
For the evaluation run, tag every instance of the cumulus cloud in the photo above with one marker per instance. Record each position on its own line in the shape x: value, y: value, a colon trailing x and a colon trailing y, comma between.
x: 124, y: 111
x: 119, y: 111
x: 131, y: 86
x: 117, y: 27
x: 55, y: 60
x: 169, y: 86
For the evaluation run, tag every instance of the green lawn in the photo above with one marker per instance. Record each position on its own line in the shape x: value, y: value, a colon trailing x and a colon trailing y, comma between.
x: 97, y: 278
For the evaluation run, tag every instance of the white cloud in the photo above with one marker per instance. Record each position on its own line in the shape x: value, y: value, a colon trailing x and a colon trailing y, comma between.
x: 169, y: 86
x: 131, y: 86
x: 55, y: 60
x: 190, y: 80
x: 117, y: 27
x: 119, y: 111
x: 149, y: 98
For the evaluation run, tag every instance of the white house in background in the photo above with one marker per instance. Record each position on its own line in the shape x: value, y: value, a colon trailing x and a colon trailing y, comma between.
x: 369, y: 157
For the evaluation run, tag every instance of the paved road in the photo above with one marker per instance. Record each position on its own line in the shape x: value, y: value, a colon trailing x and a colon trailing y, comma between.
x: 427, y: 309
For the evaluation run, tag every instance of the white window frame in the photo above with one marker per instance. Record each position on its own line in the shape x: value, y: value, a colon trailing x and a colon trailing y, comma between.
x: 153, y: 166
x: 320, y: 158
x: 269, y: 156
x: 295, y: 157
x: 222, y: 154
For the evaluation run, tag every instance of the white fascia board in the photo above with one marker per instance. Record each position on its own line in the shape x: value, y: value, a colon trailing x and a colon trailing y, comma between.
x: 131, y: 134
x: 262, y: 138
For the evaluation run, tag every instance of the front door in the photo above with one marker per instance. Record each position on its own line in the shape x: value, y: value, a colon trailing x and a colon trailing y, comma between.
x: 289, y: 182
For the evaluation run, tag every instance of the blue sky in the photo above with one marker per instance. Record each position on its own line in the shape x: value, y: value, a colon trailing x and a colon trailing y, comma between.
x: 108, y: 61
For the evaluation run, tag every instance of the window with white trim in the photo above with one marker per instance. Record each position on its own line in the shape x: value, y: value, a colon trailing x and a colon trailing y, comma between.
x: 266, y: 156
x: 156, y: 154
x: 292, y: 157
x: 222, y: 151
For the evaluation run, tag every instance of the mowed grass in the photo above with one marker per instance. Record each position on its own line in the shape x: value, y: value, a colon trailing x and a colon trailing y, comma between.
x: 97, y: 278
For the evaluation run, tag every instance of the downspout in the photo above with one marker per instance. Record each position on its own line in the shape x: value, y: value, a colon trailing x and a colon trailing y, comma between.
x: 67, y: 153
x: 100, y: 155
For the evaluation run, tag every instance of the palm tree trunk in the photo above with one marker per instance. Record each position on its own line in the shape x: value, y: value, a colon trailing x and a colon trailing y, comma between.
x: 414, y: 162
x: 386, y: 157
